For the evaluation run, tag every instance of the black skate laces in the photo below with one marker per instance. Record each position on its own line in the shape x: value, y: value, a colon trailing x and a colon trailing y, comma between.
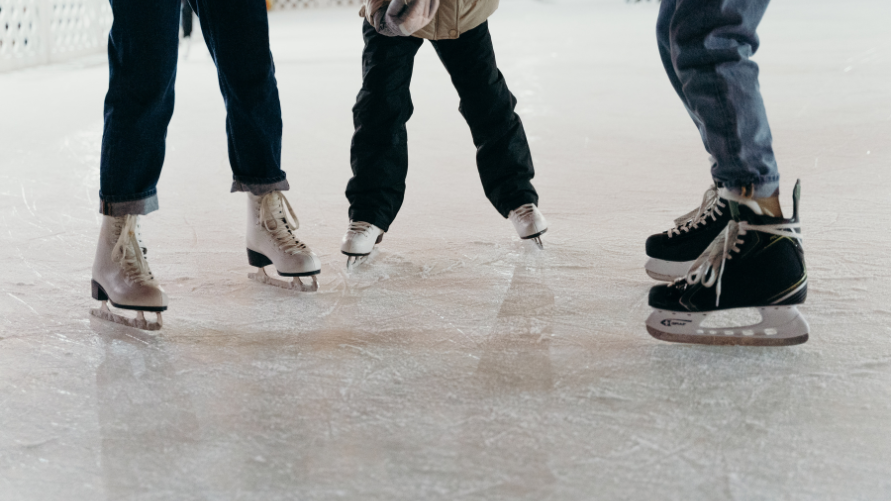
x: 129, y: 252
x: 717, y: 254
x: 710, y: 207
x: 282, y: 233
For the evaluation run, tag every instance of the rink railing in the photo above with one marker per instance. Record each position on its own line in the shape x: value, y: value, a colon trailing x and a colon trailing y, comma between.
x: 46, y: 31
x: 36, y: 32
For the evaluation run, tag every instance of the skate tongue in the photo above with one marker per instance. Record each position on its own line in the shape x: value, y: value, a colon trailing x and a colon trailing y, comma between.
x: 734, y: 210
x: 750, y: 203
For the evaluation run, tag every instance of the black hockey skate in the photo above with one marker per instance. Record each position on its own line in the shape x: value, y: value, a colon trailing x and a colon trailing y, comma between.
x: 672, y: 252
x: 755, y: 262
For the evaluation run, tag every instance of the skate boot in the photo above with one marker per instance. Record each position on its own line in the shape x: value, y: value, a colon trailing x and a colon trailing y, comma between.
x: 755, y: 262
x: 121, y: 275
x: 529, y: 223
x: 671, y: 253
x: 271, y: 239
x: 359, y: 241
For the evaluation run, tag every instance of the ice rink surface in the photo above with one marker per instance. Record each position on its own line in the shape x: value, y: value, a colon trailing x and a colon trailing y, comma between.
x: 459, y: 363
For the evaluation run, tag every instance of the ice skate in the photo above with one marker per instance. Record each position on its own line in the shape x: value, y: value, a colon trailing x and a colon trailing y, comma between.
x: 671, y: 253
x: 359, y: 241
x: 271, y: 239
x: 121, y: 275
x: 529, y: 223
x: 755, y: 262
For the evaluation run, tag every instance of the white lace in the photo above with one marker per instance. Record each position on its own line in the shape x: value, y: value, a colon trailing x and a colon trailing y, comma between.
x: 524, y: 210
x: 710, y: 207
x: 716, y: 255
x: 359, y: 227
x: 129, y: 252
x: 282, y: 228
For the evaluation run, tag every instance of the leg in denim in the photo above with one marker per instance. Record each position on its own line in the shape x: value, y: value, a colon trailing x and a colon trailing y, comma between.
x: 503, y: 157
x: 237, y: 35
x: 706, y: 46
x: 379, y: 149
x: 143, y: 50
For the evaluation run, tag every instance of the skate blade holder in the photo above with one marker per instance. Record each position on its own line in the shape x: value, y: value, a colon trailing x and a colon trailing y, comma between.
x: 353, y: 261
x: 536, y: 239
x: 779, y: 326
x: 295, y: 284
x: 140, y: 322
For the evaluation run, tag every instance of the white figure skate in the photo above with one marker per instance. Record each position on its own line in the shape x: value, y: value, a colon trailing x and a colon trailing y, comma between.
x: 121, y: 275
x: 529, y: 223
x: 359, y: 241
x: 271, y: 239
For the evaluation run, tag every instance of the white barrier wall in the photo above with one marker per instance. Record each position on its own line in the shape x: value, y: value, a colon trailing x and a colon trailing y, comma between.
x: 46, y: 31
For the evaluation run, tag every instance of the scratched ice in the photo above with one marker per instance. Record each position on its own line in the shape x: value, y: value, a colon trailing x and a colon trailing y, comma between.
x: 459, y: 363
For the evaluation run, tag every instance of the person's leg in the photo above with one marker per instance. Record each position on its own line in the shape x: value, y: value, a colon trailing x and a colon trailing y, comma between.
x: 711, y: 43
x: 142, y: 53
x: 237, y: 35
x: 503, y: 157
x: 187, y: 19
x: 379, y: 149
x: 663, y: 37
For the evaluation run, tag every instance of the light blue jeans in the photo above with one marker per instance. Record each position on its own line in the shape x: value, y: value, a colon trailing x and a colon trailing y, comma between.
x: 706, y: 46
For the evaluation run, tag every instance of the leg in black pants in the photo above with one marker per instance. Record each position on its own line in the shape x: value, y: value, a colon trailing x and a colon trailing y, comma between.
x: 379, y: 150
x: 502, y: 151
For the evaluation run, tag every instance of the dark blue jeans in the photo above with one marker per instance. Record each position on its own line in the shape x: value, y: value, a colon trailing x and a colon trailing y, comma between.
x: 379, y: 150
x: 706, y: 46
x: 142, y: 55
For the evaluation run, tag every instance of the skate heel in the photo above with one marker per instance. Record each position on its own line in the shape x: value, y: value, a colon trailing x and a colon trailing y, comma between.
x: 257, y: 259
x: 98, y: 293
x: 797, y: 296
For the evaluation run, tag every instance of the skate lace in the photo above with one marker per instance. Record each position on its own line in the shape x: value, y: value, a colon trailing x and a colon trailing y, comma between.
x: 359, y: 227
x: 524, y: 210
x: 282, y: 228
x: 129, y: 252
x: 710, y: 207
x: 708, y: 269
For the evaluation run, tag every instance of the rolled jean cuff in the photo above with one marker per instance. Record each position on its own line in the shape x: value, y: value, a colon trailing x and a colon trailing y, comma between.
x: 260, y: 188
x: 763, y: 187
x: 140, y: 207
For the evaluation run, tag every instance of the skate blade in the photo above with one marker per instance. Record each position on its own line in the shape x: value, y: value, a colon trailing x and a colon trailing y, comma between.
x: 105, y: 313
x: 294, y: 285
x: 353, y: 261
x: 779, y: 326
x: 538, y: 242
